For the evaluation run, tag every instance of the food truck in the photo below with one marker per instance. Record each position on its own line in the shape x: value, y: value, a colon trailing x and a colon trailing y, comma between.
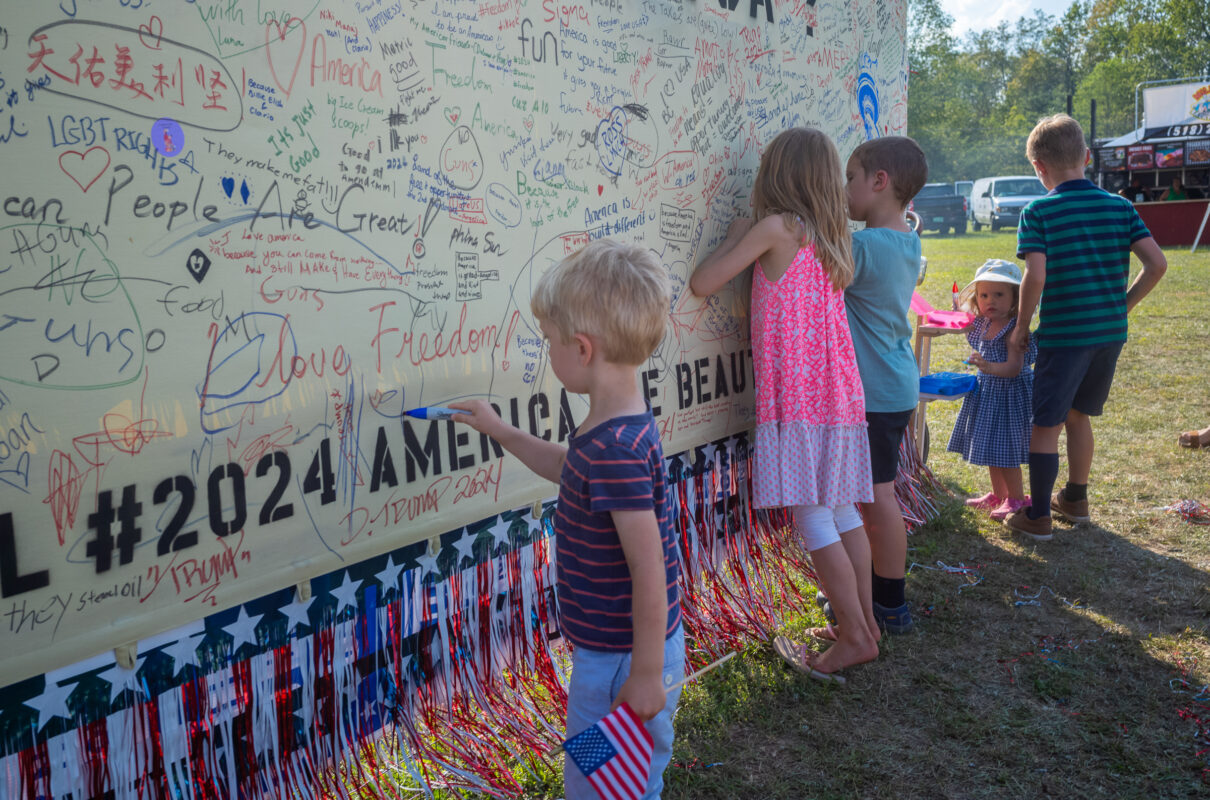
x: 1164, y: 164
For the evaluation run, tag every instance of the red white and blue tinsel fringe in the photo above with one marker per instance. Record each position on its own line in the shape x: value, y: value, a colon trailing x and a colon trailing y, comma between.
x: 413, y: 669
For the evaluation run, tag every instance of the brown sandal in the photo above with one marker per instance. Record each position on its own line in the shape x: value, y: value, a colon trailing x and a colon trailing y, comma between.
x: 1192, y: 440
x: 795, y: 655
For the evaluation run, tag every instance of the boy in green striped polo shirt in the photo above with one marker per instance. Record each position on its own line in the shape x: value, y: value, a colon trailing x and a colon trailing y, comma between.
x: 1076, y: 242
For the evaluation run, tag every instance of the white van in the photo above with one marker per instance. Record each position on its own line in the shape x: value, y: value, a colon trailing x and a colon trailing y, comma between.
x: 963, y: 190
x: 997, y: 202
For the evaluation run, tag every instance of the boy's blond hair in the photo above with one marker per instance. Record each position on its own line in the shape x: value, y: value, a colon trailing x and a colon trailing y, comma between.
x: 1058, y: 142
x: 617, y: 293
x: 901, y: 158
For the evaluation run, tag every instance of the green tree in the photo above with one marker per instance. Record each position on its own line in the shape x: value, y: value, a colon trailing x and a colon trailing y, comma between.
x: 1190, y: 20
x: 972, y: 102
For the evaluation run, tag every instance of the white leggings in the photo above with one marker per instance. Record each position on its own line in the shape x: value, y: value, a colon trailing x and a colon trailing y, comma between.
x: 820, y: 526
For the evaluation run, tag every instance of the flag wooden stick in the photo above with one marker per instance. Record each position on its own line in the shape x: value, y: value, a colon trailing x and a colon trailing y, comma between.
x: 700, y: 672
x: 554, y: 751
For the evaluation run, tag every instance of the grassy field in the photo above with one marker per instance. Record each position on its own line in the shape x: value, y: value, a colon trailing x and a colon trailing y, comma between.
x: 1069, y: 669
x: 1064, y: 669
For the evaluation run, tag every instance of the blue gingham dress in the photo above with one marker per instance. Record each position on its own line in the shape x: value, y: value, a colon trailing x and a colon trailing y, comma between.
x: 992, y: 429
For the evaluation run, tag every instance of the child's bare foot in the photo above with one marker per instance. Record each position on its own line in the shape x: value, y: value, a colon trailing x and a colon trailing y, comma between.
x: 842, y: 654
x: 827, y: 633
x: 831, y: 633
x: 799, y: 658
x: 871, y: 624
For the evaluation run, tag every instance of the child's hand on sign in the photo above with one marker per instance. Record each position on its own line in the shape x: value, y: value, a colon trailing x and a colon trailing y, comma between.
x: 480, y: 416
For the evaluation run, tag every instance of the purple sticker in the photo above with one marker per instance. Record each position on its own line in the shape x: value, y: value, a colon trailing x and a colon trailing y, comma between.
x: 167, y: 137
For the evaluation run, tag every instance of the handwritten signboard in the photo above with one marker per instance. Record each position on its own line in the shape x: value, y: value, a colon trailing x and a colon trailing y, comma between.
x: 240, y: 239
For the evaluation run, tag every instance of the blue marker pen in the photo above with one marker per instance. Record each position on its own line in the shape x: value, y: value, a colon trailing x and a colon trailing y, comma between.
x: 435, y: 412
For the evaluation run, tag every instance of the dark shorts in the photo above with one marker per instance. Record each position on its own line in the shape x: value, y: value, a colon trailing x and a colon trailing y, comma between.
x: 1072, y: 377
x: 885, y: 429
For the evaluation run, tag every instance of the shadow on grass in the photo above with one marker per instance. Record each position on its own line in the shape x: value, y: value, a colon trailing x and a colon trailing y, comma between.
x: 1043, y: 671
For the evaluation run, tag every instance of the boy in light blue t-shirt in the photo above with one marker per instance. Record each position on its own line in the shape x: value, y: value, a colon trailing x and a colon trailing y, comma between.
x: 882, y: 176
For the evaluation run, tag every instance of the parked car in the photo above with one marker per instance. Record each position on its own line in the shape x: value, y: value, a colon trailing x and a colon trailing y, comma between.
x: 939, y: 208
x: 963, y: 188
x: 997, y: 202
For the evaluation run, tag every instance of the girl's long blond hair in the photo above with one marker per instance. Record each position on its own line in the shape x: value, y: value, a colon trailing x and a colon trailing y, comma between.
x: 800, y: 177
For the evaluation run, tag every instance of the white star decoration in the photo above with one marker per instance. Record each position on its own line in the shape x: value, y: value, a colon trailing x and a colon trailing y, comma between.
x: 346, y: 593
x: 296, y: 614
x: 500, y: 534
x: 243, y: 629
x: 389, y: 577
x: 52, y: 702
x: 466, y: 546
x: 428, y: 563
x: 184, y: 651
x: 120, y: 679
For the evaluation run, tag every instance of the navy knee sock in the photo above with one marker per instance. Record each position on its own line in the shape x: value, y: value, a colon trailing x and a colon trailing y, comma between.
x: 1043, y: 470
x: 888, y: 592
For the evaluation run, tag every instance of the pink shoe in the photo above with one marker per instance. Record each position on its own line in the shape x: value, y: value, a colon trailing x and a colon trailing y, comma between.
x: 985, y: 502
x: 1008, y: 507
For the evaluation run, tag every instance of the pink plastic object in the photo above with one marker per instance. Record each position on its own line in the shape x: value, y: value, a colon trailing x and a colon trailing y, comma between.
x: 954, y: 320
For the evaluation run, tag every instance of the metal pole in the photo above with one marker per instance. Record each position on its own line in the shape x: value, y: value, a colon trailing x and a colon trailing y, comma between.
x: 1200, y: 228
x: 1136, y: 107
x: 1092, y: 137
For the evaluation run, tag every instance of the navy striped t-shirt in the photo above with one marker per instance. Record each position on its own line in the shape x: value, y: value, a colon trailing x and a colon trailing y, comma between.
x: 616, y: 466
x: 1085, y: 234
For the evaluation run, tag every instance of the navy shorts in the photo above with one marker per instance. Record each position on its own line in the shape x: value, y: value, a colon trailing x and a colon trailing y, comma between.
x: 1072, y: 377
x: 885, y: 429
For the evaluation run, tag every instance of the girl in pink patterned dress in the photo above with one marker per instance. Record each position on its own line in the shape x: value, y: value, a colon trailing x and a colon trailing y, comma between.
x: 811, y: 449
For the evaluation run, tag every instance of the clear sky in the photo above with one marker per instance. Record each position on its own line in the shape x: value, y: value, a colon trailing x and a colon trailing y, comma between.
x: 979, y: 14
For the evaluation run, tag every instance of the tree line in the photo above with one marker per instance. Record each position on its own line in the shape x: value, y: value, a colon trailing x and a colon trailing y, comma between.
x: 973, y: 98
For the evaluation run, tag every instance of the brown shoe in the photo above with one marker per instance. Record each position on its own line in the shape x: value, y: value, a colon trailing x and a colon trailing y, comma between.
x: 1036, y: 529
x: 1076, y: 511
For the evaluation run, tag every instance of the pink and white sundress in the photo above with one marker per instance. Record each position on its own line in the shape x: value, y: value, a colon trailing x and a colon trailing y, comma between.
x: 811, y: 443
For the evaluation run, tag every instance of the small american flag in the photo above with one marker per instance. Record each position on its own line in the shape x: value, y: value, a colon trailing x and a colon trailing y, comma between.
x: 614, y: 754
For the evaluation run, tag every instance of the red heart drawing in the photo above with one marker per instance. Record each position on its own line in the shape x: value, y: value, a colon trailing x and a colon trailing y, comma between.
x: 154, y: 28
x: 84, y: 165
x: 283, y: 30
x: 600, y: 190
